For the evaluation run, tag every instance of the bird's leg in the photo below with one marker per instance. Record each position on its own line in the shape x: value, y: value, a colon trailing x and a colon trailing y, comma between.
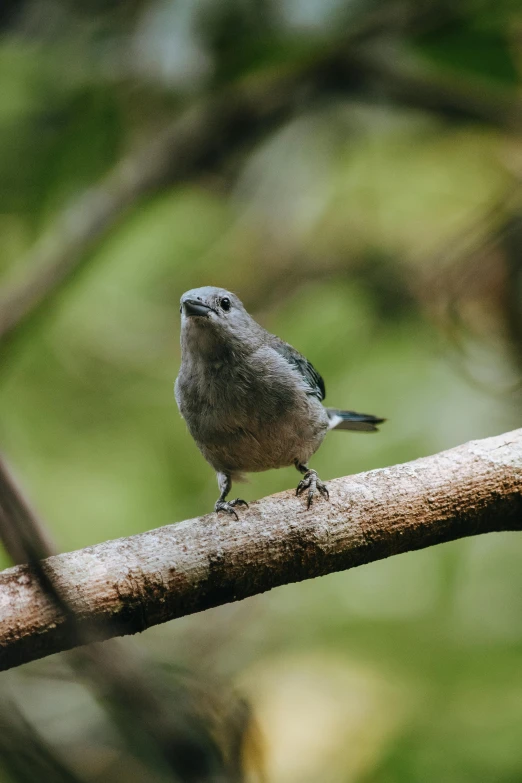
x: 224, y: 484
x: 311, y: 482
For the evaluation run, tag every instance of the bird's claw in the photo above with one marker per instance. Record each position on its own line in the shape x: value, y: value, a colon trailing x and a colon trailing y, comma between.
x: 228, y: 506
x: 312, y: 482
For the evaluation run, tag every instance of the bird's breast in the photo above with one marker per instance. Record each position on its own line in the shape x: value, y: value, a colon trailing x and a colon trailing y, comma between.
x: 251, y: 416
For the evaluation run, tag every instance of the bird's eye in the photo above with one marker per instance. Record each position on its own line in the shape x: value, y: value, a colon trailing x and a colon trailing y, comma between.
x: 225, y: 304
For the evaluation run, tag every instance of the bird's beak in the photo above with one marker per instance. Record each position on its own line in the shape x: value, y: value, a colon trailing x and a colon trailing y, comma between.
x: 194, y: 307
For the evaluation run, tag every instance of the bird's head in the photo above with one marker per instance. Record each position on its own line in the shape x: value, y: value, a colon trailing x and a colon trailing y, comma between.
x: 213, y: 319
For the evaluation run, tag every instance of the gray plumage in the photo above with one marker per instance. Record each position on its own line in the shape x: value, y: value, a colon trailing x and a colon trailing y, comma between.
x: 250, y: 400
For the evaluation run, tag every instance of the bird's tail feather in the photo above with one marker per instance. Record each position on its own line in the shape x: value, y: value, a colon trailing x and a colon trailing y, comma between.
x: 349, y: 420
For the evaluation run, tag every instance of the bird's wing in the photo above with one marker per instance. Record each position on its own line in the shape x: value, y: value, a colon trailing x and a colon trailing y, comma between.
x: 308, y: 372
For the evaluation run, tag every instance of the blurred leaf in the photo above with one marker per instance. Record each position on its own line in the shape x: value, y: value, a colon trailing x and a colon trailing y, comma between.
x: 484, y: 53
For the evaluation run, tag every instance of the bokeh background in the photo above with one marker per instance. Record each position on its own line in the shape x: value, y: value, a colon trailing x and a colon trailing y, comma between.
x: 352, y: 169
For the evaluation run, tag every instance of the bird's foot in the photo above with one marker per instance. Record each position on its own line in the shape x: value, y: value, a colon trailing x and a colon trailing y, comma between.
x: 312, y: 482
x: 228, y: 506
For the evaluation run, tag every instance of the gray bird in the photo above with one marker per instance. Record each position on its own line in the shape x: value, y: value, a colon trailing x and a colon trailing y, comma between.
x: 250, y: 400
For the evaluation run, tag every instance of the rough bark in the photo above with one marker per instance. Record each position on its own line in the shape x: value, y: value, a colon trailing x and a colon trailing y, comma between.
x: 124, y: 586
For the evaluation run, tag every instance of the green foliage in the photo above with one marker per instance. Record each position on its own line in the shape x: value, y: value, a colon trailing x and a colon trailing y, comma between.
x: 338, y: 231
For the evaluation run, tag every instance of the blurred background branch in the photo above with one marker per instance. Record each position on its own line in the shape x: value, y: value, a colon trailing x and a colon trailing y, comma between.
x: 201, y: 739
x: 219, y: 127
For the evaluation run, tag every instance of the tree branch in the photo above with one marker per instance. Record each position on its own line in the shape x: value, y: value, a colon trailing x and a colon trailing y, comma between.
x: 130, y: 584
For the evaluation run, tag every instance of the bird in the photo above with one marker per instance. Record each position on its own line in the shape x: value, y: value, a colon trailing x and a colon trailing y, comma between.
x: 250, y: 400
